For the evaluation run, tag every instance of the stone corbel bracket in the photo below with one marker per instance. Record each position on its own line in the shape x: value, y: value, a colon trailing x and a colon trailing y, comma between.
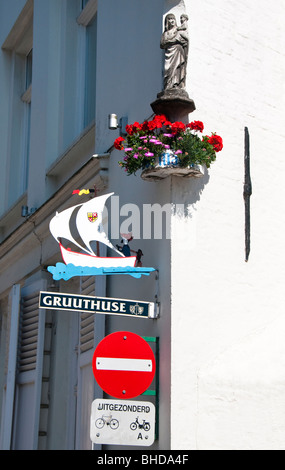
x: 103, y: 160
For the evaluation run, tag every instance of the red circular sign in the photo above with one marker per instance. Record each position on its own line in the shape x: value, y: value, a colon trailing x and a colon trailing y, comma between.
x: 123, y: 364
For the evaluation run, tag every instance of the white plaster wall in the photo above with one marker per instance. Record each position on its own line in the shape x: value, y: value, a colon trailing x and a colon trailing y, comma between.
x: 227, y: 315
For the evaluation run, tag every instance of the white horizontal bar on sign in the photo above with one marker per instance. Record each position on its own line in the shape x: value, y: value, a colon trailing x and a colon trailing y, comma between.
x: 117, y: 363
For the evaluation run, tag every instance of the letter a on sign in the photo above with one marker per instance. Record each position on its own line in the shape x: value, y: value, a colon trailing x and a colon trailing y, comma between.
x: 123, y: 365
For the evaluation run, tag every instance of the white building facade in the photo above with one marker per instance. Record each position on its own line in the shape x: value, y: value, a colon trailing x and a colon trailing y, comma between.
x: 65, y: 66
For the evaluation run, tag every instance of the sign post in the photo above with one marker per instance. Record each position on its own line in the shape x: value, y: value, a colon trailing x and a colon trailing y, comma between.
x: 123, y: 365
x: 122, y: 422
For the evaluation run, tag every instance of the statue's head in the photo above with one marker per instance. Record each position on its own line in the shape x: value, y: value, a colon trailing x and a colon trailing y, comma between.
x: 170, y: 21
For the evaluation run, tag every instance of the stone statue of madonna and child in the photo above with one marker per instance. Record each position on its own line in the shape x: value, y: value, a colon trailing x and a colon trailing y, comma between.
x: 175, y: 42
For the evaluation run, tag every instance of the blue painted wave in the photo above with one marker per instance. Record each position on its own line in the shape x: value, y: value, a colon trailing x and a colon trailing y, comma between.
x: 67, y: 271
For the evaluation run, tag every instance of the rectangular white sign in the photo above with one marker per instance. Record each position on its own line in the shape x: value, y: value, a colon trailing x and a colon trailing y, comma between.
x: 122, y: 422
x: 121, y: 363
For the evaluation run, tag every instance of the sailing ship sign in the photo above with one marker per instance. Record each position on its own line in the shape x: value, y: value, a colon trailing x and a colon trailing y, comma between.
x: 85, y: 262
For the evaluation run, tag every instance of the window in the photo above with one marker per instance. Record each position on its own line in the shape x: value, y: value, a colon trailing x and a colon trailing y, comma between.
x: 90, y: 73
x: 28, y: 337
x: 18, y: 48
x: 28, y: 345
x: 19, y: 129
x: 27, y: 422
x: 88, y: 19
x: 26, y: 99
x: 29, y: 69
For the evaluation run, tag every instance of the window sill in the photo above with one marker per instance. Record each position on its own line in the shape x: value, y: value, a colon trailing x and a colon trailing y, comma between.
x: 73, y: 158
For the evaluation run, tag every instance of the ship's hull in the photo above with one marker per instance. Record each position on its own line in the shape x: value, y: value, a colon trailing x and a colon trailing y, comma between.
x: 80, y: 259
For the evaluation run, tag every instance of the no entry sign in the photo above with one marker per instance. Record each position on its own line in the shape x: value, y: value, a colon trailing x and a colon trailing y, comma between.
x: 123, y: 365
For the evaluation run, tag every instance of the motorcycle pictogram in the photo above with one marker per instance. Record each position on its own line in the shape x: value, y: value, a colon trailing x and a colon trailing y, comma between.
x: 136, y: 424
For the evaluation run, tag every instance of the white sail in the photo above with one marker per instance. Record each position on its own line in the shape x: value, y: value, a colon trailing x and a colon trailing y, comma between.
x: 93, y: 230
x: 60, y: 228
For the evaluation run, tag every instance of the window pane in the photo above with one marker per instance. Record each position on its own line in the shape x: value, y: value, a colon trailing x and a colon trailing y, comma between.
x: 90, y: 79
x: 26, y: 148
x: 29, y: 64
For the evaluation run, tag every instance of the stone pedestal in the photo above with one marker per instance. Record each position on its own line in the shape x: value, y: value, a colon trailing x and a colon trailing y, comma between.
x: 174, y: 103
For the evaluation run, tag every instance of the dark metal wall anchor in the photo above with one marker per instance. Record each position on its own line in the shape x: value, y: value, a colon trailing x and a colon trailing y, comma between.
x: 247, y: 192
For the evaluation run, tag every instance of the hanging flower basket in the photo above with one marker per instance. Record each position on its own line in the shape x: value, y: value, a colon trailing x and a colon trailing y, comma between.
x: 160, y: 148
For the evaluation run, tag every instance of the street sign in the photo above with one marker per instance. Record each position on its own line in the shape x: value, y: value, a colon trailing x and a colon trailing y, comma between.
x: 122, y: 422
x: 123, y: 365
x: 92, y: 304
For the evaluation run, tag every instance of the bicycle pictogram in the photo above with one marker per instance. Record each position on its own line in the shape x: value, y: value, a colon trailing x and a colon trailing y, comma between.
x: 108, y: 420
x: 136, y: 424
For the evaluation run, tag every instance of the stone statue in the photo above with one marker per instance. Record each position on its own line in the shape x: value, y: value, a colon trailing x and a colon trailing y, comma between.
x: 173, y: 101
x: 175, y: 42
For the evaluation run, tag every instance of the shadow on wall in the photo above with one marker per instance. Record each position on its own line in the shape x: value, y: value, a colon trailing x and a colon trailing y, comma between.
x: 186, y: 192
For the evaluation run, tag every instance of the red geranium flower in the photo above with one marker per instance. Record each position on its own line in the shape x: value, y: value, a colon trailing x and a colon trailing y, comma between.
x: 216, y: 141
x: 196, y: 126
x: 177, y: 127
x: 152, y: 125
x: 144, y: 126
x: 133, y: 128
x: 159, y: 120
x: 136, y: 126
x: 118, y: 144
x: 129, y: 129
